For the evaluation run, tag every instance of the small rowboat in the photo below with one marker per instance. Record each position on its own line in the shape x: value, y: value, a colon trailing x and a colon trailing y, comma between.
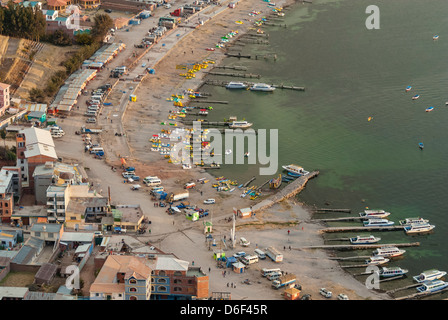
x: 415, y: 97
x: 436, y: 37
x: 421, y: 145
x: 408, y: 88
x: 210, y: 49
x: 429, y: 109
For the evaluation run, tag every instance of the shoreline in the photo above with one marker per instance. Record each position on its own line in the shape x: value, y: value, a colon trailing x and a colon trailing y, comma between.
x: 171, y: 177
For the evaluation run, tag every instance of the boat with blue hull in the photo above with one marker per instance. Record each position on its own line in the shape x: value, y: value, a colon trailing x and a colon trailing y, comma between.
x: 378, y: 223
x: 432, y: 286
x: 362, y: 239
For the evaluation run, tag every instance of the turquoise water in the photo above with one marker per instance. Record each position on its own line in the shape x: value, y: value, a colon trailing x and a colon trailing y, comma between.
x: 350, y: 74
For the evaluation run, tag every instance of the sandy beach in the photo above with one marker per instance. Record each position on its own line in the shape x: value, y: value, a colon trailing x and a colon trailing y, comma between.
x: 176, y: 234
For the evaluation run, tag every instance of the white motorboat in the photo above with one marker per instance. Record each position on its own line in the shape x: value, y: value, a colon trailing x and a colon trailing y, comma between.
x: 364, y: 239
x: 418, y: 228
x: 409, y: 221
x: 374, y: 214
x: 296, y: 169
x: 392, y: 272
x: 262, y: 87
x: 432, y: 286
x: 376, y: 260
x: 240, y: 125
x: 236, y: 85
x: 228, y: 151
x: 429, y: 275
x: 378, y: 223
x: 388, y: 252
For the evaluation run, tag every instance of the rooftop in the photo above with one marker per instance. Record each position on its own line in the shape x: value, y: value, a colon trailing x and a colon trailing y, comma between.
x: 46, y: 227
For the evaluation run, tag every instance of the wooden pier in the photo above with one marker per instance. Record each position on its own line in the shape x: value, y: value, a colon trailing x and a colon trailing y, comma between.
x: 340, y: 219
x: 249, y: 182
x: 344, y: 247
x: 238, y: 75
x: 420, y: 295
x: 320, y: 210
x: 241, y: 68
x: 361, y: 229
x: 221, y: 83
x: 211, y: 101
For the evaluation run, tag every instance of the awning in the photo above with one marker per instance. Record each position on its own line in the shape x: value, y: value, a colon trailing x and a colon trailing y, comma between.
x: 42, y: 220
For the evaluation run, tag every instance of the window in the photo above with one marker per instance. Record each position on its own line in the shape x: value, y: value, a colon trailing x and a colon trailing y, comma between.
x: 162, y: 280
x: 177, y: 289
x: 133, y: 298
x: 178, y: 273
x: 162, y: 273
x: 177, y: 281
x: 162, y: 288
x: 132, y: 289
x: 37, y: 234
x: 133, y: 281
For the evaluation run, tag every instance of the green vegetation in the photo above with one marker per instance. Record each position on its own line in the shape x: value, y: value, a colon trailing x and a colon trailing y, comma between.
x: 18, y: 21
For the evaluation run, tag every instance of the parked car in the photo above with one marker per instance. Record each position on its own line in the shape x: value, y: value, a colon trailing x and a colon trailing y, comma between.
x: 342, y: 296
x: 306, y: 297
x: 209, y: 201
x: 91, y: 120
x: 326, y: 293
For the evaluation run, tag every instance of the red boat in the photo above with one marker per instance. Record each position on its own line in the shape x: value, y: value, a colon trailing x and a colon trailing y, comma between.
x: 210, y: 49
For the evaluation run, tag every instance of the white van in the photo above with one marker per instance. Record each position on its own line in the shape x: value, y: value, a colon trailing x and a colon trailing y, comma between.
x: 94, y: 101
x: 150, y: 178
x: 265, y: 272
x: 249, y: 259
x: 274, y: 276
x: 153, y: 183
x: 91, y: 120
x: 261, y: 255
x: 97, y: 97
x: 157, y: 189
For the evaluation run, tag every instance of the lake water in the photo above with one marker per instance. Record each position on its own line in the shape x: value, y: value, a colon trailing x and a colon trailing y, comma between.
x: 350, y: 74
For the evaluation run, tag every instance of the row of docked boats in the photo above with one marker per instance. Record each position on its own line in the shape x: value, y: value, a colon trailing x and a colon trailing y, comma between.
x: 255, y: 87
x: 377, y: 218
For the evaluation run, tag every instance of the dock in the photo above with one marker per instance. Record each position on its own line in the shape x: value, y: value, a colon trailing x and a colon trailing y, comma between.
x: 222, y: 83
x: 289, y: 191
x: 340, y: 219
x: 321, y: 210
x: 248, y: 182
x: 420, y: 295
x: 361, y: 229
x: 239, y: 75
x: 241, y: 68
x: 344, y: 247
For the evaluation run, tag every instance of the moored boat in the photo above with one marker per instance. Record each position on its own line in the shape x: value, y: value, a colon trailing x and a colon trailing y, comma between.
x: 429, y: 275
x: 376, y: 260
x: 295, y: 169
x: 240, y: 125
x: 408, y: 88
x: 416, y: 97
x: 262, y: 87
x: 374, y: 214
x: 361, y: 239
x: 392, y: 272
x: 418, y: 228
x: 388, y: 252
x: 409, y: 221
x: 429, y: 109
x: 421, y: 145
x: 236, y: 85
x: 375, y: 222
x: 435, y: 37
x: 432, y: 286
x: 276, y: 182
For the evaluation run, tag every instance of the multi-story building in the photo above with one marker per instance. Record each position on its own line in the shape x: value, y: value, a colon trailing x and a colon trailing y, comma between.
x: 34, y: 147
x: 8, y: 184
x: 122, y: 278
x: 174, y: 279
x: 5, y: 98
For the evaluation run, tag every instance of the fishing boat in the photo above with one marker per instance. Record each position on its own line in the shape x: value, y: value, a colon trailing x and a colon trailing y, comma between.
x: 376, y: 260
x: 418, y: 228
x: 240, y: 125
x: 388, y: 252
x: 276, y: 182
x: 416, y: 97
x: 435, y: 37
x: 210, y: 49
x: 378, y: 223
x: 294, y: 175
x: 408, y: 88
x: 374, y: 214
x: 392, y: 272
x: 432, y: 286
x: 429, y: 275
x: 409, y: 221
x: 293, y: 168
x: 421, y: 145
x: 236, y: 85
x: 364, y: 239
x: 203, y: 112
x: 262, y: 87
x: 429, y: 109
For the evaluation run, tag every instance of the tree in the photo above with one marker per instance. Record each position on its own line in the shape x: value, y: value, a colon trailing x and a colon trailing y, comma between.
x: 84, y: 39
x: 3, y: 136
x: 102, y: 24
